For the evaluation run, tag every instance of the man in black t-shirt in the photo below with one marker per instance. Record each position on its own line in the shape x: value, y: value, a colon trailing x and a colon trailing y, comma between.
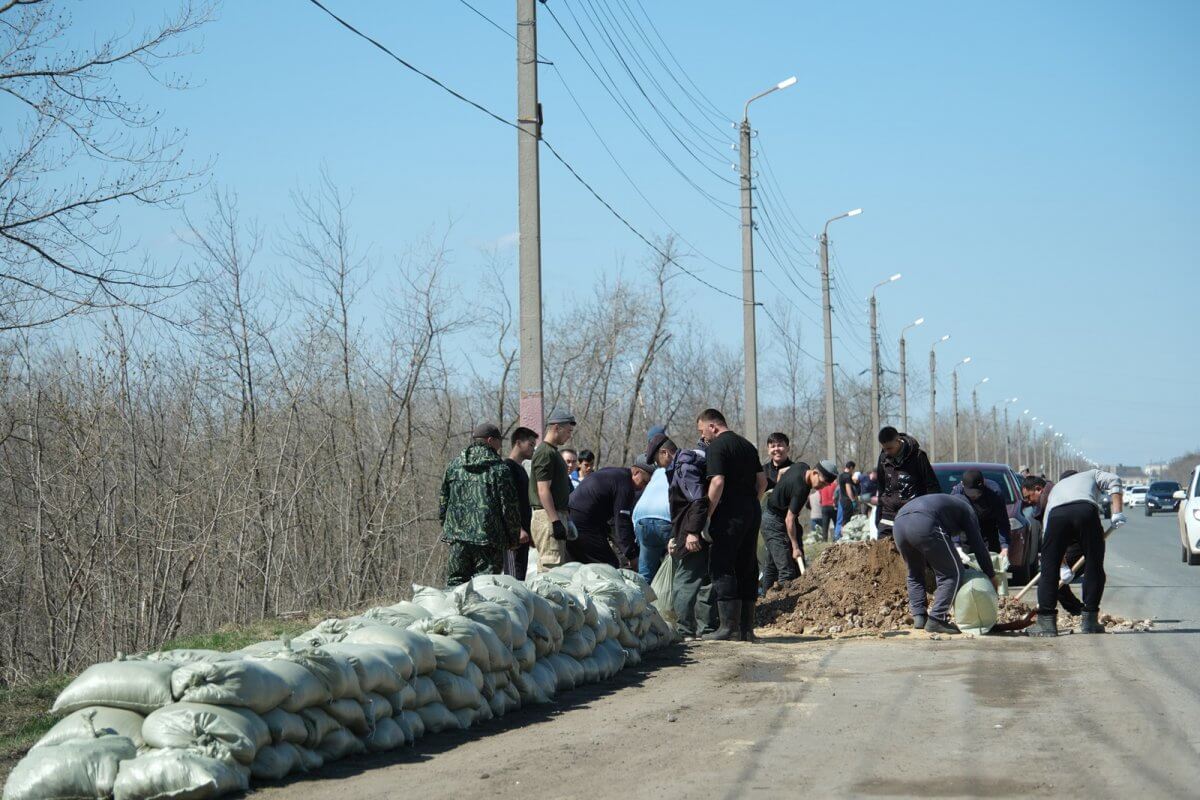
x: 735, y: 484
x: 781, y: 526
x: 778, y: 447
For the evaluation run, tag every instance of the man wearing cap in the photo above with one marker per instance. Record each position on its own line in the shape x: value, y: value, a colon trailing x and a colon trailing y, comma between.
x: 602, y: 506
x: 652, y: 520
x: 781, y: 525
x: 550, y: 492
x: 478, y: 508
x: 984, y: 496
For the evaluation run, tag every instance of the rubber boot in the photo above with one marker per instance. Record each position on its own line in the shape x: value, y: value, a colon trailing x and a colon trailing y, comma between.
x: 1047, y: 625
x: 747, y: 622
x: 935, y: 625
x: 1091, y: 623
x: 919, y: 621
x: 729, y: 612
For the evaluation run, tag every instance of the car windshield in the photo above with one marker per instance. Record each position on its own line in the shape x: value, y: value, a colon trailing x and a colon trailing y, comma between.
x: 951, y: 478
x: 1138, y: 490
x: 1164, y: 487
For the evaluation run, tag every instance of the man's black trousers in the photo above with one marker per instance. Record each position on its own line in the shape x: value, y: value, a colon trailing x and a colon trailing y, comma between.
x: 1077, y: 522
x: 733, y: 558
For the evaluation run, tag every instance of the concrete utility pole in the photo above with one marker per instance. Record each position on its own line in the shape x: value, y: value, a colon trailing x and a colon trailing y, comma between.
x: 529, y: 217
x: 749, y: 307
x: 827, y: 308
x: 1007, y: 459
x: 954, y: 375
x: 996, y: 435
x: 933, y: 399
x: 975, y: 411
x: 875, y: 356
x: 904, y: 376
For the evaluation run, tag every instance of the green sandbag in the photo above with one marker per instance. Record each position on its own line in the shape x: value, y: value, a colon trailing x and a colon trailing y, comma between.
x: 243, y: 683
x: 375, y: 672
x: 416, y: 644
x: 976, y: 606
x: 386, y: 736
x: 307, y: 689
x: 182, y: 725
x: 140, y: 686
x: 339, y: 744
x: 80, y: 768
x: 285, y: 726
x: 456, y: 691
x: 437, y: 718
x: 181, y: 774
x: 87, y: 723
x: 275, y: 762
x: 664, y: 589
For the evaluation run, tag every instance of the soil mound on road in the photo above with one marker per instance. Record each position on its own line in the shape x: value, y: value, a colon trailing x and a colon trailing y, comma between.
x: 852, y: 588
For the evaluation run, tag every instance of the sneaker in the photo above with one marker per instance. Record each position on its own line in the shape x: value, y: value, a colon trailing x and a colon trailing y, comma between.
x: 935, y: 625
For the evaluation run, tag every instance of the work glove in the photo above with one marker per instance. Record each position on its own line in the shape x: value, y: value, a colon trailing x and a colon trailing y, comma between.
x: 1118, y: 519
x: 559, y: 530
x: 1065, y: 574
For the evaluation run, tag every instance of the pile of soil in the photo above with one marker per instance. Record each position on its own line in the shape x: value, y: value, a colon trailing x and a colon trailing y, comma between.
x: 1011, y: 610
x: 851, y: 588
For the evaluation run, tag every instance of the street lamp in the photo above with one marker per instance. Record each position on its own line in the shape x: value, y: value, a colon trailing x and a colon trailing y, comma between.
x: 933, y: 398
x: 954, y: 375
x: 875, y: 355
x: 830, y: 427
x: 975, y: 411
x: 904, y: 375
x: 749, y: 334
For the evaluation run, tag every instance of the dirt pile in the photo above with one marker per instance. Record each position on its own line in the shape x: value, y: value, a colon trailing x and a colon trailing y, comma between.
x: 1011, y: 611
x: 852, y: 588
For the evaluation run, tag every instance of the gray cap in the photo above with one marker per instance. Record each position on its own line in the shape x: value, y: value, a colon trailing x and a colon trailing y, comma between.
x: 828, y: 468
x: 645, y: 466
x: 485, y: 430
x: 561, y: 416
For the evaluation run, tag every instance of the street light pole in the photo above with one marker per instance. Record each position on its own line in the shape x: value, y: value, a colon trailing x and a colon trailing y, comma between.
x: 875, y: 355
x: 830, y: 402
x: 529, y: 218
x: 904, y: 376
x: 933, y: 398
x: 749, y: 307
x: 975, y: 412
x: 1007, y: 459
x: 954, y: 375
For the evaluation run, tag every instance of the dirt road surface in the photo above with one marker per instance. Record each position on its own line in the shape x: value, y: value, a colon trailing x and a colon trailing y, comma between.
x: 903, y: 716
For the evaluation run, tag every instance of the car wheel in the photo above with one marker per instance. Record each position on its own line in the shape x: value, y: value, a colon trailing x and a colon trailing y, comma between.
x: 1184, y: 546
x: 1149, y: 513
x: 1193, y: 559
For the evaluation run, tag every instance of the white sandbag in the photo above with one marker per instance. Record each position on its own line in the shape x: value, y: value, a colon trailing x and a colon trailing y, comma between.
x: 579, y: 644
x: 585, y: 603
x: 615, y: 653
x: 626, y: 636
x: 285, y: 726
x: 340, y: 744
x: 243, y: 683
x: 307, y: 689
x: 613, y: 593
x: 475, y: 675
x: 405, y: 699
x: 564, y: 671
x: 335, y: 672
x: 591, y: 669
x: 386, y: 736
x: 437, y: 718
x: 608, y: 618
x: 405, y: 725
x: 182, y: 725
x: 543, y: 644
x: 380, y: 707
x: 426, y: 691
x: 78, y: 768
x: 317, y: 725
x: 525, y: 655
x: 334, y: 629
x: 529, y: 690
x: 507, y: 622
x: 191, y: 774
x: 264, y: 648
x: 416, y: 644
x: 456, y: 691
x: 546, y: 678
x: 93, y: 721
x: 188, y: 655
x: 976, y: 606
x: 451, y: 656
x: 521, y: 608
x: 466, y: 632
x: 275, y: 762
x: 140, y: 686
x: 376, y: 671
x: 633, y: 657
x: 414, y: 721
x: 467, y: 717
x: 400, y: 615
x: 349, y: 714
x: 499, y: 704
x: 635, y: 581
x: 560, y: 601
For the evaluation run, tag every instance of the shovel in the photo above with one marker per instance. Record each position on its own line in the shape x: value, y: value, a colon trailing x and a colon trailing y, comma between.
x: 1061, y: 583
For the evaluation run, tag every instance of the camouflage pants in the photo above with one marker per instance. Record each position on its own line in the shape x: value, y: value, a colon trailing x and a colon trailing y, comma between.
x: 468, y: 560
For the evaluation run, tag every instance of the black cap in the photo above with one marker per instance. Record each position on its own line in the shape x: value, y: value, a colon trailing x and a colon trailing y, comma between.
x: 972, y: 483
x: 485, y: 430
x: 655, y: 443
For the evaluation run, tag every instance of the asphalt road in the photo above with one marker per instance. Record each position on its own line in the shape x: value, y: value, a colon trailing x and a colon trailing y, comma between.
x: 902, y: 716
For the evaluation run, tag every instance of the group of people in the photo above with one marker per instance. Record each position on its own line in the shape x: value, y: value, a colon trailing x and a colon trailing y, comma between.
x: 705, y: 507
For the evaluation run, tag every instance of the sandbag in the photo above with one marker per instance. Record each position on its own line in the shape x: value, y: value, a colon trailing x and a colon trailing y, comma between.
x: 285, y: 726
x: 437, y: 718
x: 307, y: 689
x: 976, y: 606
x: 244, y: 683
x: 375, y: 671
x: 456, y: 691
x: 438, y: 602
x: 525, y: 655
x: 386, y: 736
x: 181, y: 725
x: 405, y: 699
x: 188, y: 655
x: 317, y: 725
x: 467, y: 717
x: 79, y: 768
x: 640, y: 585
x: 580, y: 644
x: 466, y: 632
x: 310, y: 760
x: 475, y: 675
x: 339, y: 744
x: 451, y: 656
x: 426, y: 691
x: 379, y: 707
x: 333, y: 670
x: 93, y: 721
x: 405, y: 726
x: 349, y: 714
x: 664, y: 589
x: 414, y: 721
x: 507, y: 618
x: 591, y: 669
x: 191, y: 774
x: 400, y: 615
x: 140, y: 686
x: 416, y: 644
x: 275, y: 762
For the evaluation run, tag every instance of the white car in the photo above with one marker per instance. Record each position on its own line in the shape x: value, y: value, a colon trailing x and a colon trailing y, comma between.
x: 1189, y: 518
x: 1135, y: 496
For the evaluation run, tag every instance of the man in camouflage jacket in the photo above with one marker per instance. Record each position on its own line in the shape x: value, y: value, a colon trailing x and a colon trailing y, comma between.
x: 478, y: 508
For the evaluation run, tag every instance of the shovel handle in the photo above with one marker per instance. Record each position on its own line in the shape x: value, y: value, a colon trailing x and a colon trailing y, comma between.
x: 1061, y: 583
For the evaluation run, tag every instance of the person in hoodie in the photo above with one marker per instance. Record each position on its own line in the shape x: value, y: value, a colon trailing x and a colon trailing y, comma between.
x: 904, y: 473
x: 478, y: 508
x: 989, y: 506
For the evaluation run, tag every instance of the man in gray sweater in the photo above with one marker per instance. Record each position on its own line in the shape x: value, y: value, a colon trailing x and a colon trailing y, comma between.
x: 923, y: 531
x: 1073, y: 516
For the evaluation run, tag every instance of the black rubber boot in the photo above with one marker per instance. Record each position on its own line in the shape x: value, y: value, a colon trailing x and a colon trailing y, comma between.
x: 935, y: 625
x: 919, y: 622
x: 746, y: 617
x: 730, y: 611
x: 1091, y: 623
x: 1047, y: 625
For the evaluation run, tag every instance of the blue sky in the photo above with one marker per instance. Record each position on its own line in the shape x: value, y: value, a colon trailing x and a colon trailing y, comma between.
x: 1031, y: 168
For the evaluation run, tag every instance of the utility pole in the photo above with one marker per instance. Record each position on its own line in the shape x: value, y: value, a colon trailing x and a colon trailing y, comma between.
x: 827, y: 308
x: 975, y: 412
x: 875, y: 356
x: 933, y: 398
x: 996, y: 435
x: 904, y: 375
x: 954, y: 375
x: 529, y: 217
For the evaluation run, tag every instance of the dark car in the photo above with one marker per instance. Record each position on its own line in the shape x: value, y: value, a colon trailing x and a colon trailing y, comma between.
x: 1160, y: 497
x: 1024, y: 536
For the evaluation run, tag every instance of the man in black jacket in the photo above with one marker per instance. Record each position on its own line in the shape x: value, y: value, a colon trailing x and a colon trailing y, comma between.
x: 523, y: 441
x: 904, y: 472
x: 603, y: 504
x: 989, y: 507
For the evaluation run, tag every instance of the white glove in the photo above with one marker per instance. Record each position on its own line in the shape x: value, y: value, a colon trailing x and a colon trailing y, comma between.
x: 1065, y: 574
x: 1118, y: 519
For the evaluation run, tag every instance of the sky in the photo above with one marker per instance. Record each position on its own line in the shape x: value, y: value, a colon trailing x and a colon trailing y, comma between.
x: 1030, y: 168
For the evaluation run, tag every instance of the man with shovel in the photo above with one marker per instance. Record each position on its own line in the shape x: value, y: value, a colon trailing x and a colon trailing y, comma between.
x: 781, y: 525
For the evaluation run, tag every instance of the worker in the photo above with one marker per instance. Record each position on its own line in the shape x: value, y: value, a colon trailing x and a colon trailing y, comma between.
x: 688, y: 500
x: 523, y: 441
x: 602, y: 507
x: 550, y: 492
x: 781, y: 525
x: 1073, y: 515
x: 984, y: 496
x: 1036, y: 492
x: 778, y: 448
x: 923, y: 531
x: 904, y: 473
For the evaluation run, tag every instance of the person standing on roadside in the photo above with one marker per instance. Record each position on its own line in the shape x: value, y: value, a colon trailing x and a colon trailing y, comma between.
x: 688, y: 498
x: 550, y: 492
x: 782, y: 529
x: 478, y: 508
x: 652, y: 521
x: 828, y: 503
x: 735, y: 485
x: 847, y: 492
x: 904, y: 473
x: 602, y: 508
x: 867, y: 487
x: 1073, y: 515
x: 522, y: 441
x: 778, y: 448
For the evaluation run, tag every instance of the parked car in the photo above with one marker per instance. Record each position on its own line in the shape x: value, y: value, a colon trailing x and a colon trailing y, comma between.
x: 1135, y: 496
x: 1189, y: 518
x: 1024, y: 537
x: 1161, y: 497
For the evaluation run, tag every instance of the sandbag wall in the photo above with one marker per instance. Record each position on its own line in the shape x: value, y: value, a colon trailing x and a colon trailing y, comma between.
x: 202, y: 723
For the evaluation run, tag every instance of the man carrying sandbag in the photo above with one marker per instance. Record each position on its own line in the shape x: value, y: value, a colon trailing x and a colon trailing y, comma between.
x: 923, y: 532
x: 478, y: 508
